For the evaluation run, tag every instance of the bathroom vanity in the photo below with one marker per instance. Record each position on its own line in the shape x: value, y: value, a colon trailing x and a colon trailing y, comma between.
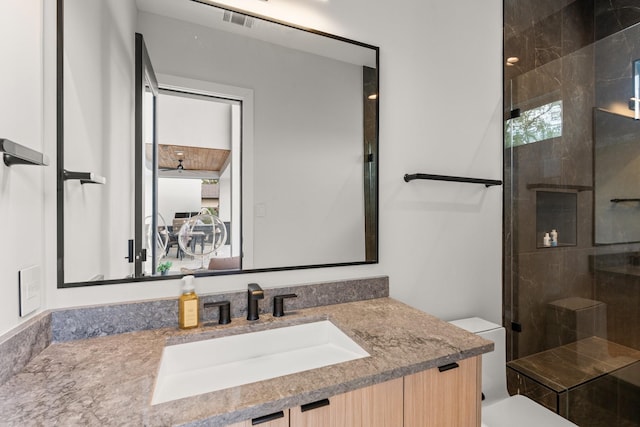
x: 420, y: 371
x: 427, y: 398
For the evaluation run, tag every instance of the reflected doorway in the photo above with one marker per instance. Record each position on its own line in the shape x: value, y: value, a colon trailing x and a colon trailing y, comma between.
x: 198, y: 171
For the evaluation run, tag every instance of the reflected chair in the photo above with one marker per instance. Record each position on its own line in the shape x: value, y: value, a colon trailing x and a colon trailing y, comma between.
x: 228, y: 263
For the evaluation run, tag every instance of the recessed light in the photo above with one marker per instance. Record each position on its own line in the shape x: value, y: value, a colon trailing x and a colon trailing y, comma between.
x: 373, y: 96
x: 512, y: 60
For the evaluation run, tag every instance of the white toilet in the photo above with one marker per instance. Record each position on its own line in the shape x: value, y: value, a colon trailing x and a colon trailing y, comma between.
x: 498, y: 409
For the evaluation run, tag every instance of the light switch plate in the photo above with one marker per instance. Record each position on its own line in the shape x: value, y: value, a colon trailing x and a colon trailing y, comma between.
x: 30, y: 290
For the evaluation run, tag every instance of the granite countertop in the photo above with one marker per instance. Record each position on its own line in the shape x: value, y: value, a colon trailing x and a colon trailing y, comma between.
x: 110, y: 380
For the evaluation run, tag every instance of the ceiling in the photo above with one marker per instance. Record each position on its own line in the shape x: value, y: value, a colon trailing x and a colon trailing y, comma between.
x: 197, y: 162
x: 211, y: 16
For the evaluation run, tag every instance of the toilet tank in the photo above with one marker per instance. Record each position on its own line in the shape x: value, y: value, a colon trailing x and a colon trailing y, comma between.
x: 494, y: 370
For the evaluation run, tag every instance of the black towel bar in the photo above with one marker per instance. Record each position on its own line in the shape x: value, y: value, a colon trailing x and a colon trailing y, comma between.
x: 624, y: 200
x: 486, y: 182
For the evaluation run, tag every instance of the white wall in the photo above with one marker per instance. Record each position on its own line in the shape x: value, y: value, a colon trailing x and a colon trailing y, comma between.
x: 195, y: 122
x: 99, y: 128
x: 440, y: 112
x: 178, y: 195
x: 233, y: 198
x: 21, y: 120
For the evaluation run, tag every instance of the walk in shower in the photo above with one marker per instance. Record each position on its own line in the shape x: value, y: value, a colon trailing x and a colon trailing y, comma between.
x: 572, y: 171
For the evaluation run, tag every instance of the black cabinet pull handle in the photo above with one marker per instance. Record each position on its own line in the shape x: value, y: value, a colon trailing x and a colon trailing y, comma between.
x: 448, y: 367
x: 267, y: 418
x: 314, y: 405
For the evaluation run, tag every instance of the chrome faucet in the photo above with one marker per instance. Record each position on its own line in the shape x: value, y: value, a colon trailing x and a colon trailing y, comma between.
x: 254, y: 293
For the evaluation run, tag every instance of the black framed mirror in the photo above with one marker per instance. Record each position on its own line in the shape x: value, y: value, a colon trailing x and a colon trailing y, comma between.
x: 268, y: 127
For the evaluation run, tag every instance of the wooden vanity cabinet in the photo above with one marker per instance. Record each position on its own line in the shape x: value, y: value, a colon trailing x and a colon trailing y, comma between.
x: 448, y: 396
x: 378, y: 405
x: 278, y: 422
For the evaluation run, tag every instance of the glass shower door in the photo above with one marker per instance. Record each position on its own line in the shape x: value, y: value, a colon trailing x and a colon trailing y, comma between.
x: 572, y: 171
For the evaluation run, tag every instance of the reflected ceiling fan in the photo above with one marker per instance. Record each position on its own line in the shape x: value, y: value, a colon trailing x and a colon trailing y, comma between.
x: 181, y: 161
x: 179, y: 167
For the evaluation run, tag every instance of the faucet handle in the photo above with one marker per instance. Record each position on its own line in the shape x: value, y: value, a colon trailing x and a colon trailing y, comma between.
x: 278, y: 304
x: 224, y: 315
x: 255, y: 291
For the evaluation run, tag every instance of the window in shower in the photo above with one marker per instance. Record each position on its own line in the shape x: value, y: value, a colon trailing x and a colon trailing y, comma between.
x: 533, y: 125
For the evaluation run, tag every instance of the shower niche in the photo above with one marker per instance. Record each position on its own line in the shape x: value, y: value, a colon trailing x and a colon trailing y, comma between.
x: 556, y: 211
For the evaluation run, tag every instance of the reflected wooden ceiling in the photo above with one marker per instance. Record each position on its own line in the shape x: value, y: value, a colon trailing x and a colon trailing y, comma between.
x: 193, y: 158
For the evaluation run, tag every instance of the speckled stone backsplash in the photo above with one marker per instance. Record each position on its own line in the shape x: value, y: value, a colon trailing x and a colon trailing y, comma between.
x: 22, y: 344
x: 87, y: 322
x: 19, y: 346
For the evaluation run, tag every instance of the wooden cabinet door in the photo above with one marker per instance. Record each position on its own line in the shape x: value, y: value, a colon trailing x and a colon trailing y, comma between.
x: 379, y: 405
x: 450, y: 398
x: 277, y: 422
x: 315, y: 414
x: 383, y: 404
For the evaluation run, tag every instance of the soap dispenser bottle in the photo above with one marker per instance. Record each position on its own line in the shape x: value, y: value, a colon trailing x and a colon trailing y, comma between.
x: 188, y: 305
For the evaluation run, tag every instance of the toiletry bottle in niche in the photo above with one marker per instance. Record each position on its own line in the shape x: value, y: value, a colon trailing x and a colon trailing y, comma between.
x: 554, y: 237
x: 546, y: 240
x: 188, y: 305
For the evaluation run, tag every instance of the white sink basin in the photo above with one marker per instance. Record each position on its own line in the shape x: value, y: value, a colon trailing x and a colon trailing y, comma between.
x: 215, y: 364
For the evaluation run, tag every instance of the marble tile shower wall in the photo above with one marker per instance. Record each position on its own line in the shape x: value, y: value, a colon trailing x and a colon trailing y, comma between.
x: 545, y: 30
x: 617, y: 151
x: 556, y: 44
x: 623, y: 315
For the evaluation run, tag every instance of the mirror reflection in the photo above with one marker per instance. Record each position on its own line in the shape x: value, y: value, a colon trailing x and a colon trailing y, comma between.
x: 197, y: 135
x: 268, y: 129
x: 616, y: 141
x: 617, y: 172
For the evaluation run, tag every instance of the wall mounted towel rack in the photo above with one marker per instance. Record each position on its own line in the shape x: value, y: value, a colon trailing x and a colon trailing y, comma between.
x: 486, y: 182
x: 85, y: 177
x: 16, y: 154
x: 569, y: 187
x: 624, y: 200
